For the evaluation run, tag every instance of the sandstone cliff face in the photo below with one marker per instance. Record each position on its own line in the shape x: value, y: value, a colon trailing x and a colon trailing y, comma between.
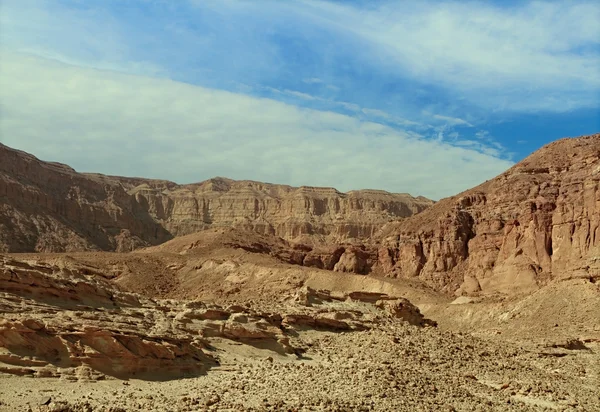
x: 49, y: 207
x: 288, y: 212
x: 537, y: 221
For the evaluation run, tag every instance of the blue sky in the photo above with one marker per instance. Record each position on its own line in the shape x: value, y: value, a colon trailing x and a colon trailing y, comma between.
x: 427, y: 97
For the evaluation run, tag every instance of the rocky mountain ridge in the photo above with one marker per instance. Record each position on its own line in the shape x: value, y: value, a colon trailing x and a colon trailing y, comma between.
x: 538, y: 221
x: 49, y: 207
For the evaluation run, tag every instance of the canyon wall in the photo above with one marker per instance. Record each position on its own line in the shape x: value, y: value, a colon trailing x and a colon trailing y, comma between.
x: 537, y: 221
x: 49, y: 207
x: 288, y: 212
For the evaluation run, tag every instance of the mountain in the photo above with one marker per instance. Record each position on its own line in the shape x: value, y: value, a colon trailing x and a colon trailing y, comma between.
x: 49, y: 207
x: 538, y: 221
x: 235, y: 318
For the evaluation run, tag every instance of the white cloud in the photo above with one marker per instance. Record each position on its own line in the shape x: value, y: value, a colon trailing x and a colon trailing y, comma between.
x: 377, y: 113
x: 133, y: 125
x: 312, y: 80
x: 529, y: 56
x: 366, y: 113
x: 452, y: 121
x: 300, y: 95
x: 350, y: 106
x: 534, y: 56
x: 49, y: 29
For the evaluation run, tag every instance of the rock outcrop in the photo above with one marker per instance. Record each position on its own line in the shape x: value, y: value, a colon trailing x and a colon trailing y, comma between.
x: 344, y: 257
x: 537, y: 221
x: 49, y: 207
x: 59, y: 321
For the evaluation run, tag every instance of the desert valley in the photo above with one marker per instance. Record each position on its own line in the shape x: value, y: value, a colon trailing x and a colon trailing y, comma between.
x: 121, y: 294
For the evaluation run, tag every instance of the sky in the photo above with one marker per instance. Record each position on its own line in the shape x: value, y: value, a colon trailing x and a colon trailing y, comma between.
x: 425, y: 97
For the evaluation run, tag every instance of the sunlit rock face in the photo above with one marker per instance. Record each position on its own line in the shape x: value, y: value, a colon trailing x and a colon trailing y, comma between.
x: 537, y: 221
x: 49, y: 207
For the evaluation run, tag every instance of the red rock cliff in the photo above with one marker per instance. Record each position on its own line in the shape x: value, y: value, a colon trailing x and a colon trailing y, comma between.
x: 49, y: 207
x: 538, y: 220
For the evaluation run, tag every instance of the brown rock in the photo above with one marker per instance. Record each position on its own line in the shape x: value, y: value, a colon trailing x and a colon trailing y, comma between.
x: 403, y: 309
x: 49, y: 207
x: 538, y: 221
x: 353, y: 260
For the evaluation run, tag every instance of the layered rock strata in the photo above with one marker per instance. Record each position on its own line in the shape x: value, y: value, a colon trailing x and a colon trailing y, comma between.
x: 49, y: 207
x: 537, y: 221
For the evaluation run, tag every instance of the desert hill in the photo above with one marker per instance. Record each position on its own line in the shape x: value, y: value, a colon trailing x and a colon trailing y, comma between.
x: 49, y: 207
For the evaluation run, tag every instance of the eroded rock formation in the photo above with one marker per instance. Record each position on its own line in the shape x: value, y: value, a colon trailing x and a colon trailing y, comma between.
x: 49, y: 207
x: 58, y: 321
x: 537, y: 221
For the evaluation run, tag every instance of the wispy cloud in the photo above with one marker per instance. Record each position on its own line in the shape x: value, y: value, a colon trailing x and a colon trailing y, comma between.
x: 313, y: 80
x: 134, y: 125
x: 532, y: 56
x: 453, y: 121
x: 366, y: 113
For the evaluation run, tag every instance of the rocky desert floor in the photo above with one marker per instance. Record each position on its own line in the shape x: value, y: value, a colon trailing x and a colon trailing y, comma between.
x: 243, y: 331
x: 393, y: 368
